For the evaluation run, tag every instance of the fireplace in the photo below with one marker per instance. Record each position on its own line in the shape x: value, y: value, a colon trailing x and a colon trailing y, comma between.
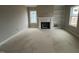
x: 45, y: 25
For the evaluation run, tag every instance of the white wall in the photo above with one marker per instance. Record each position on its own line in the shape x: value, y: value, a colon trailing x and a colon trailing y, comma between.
x: 13, y: 19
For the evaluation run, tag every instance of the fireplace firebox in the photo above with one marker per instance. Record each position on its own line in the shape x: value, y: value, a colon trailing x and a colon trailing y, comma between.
x: 45, y: 25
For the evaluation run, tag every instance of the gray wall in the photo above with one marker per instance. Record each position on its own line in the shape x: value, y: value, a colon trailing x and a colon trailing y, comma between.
x: 55, y: 11
x: 73, y: 30
x: 58, y: 14
x: 13, y: 19
x: 45, y: 10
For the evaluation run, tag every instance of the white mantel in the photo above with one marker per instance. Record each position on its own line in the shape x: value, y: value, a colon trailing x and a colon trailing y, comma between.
x: 45, y: 19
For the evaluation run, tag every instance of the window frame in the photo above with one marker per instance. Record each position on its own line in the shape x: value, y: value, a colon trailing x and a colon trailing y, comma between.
x: 30, y: 16
x: 75, y: 26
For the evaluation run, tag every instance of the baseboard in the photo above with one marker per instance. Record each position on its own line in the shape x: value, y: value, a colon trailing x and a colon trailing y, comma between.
x: 73, y: 33
x: 13, y: 37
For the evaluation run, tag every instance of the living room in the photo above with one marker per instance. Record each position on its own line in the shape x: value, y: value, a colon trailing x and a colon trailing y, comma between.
x: 39, y: 28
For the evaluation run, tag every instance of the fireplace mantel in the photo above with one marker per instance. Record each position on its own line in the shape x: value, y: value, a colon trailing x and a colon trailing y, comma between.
x: 45, y: 19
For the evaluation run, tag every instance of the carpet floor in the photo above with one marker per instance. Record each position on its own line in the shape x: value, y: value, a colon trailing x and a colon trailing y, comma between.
x: 42, y: 41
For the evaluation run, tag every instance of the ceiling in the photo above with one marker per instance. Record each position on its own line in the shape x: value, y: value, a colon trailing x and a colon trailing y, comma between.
x: 31, y: 5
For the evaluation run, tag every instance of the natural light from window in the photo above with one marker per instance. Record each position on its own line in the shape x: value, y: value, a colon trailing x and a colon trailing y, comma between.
x: 33, y: 16
x: 74, y: 16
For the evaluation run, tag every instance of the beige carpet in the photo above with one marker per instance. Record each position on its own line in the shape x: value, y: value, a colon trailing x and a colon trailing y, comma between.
x: 45, y: 40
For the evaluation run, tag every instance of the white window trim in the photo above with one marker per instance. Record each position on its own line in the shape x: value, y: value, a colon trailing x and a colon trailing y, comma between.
x: 75, y: 24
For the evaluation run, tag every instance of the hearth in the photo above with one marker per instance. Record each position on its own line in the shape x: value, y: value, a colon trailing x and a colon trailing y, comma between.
x: 45, y: 25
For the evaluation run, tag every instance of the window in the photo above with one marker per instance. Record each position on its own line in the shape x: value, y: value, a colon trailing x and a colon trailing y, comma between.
x: 74, y: 16
x: 33, y: 16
